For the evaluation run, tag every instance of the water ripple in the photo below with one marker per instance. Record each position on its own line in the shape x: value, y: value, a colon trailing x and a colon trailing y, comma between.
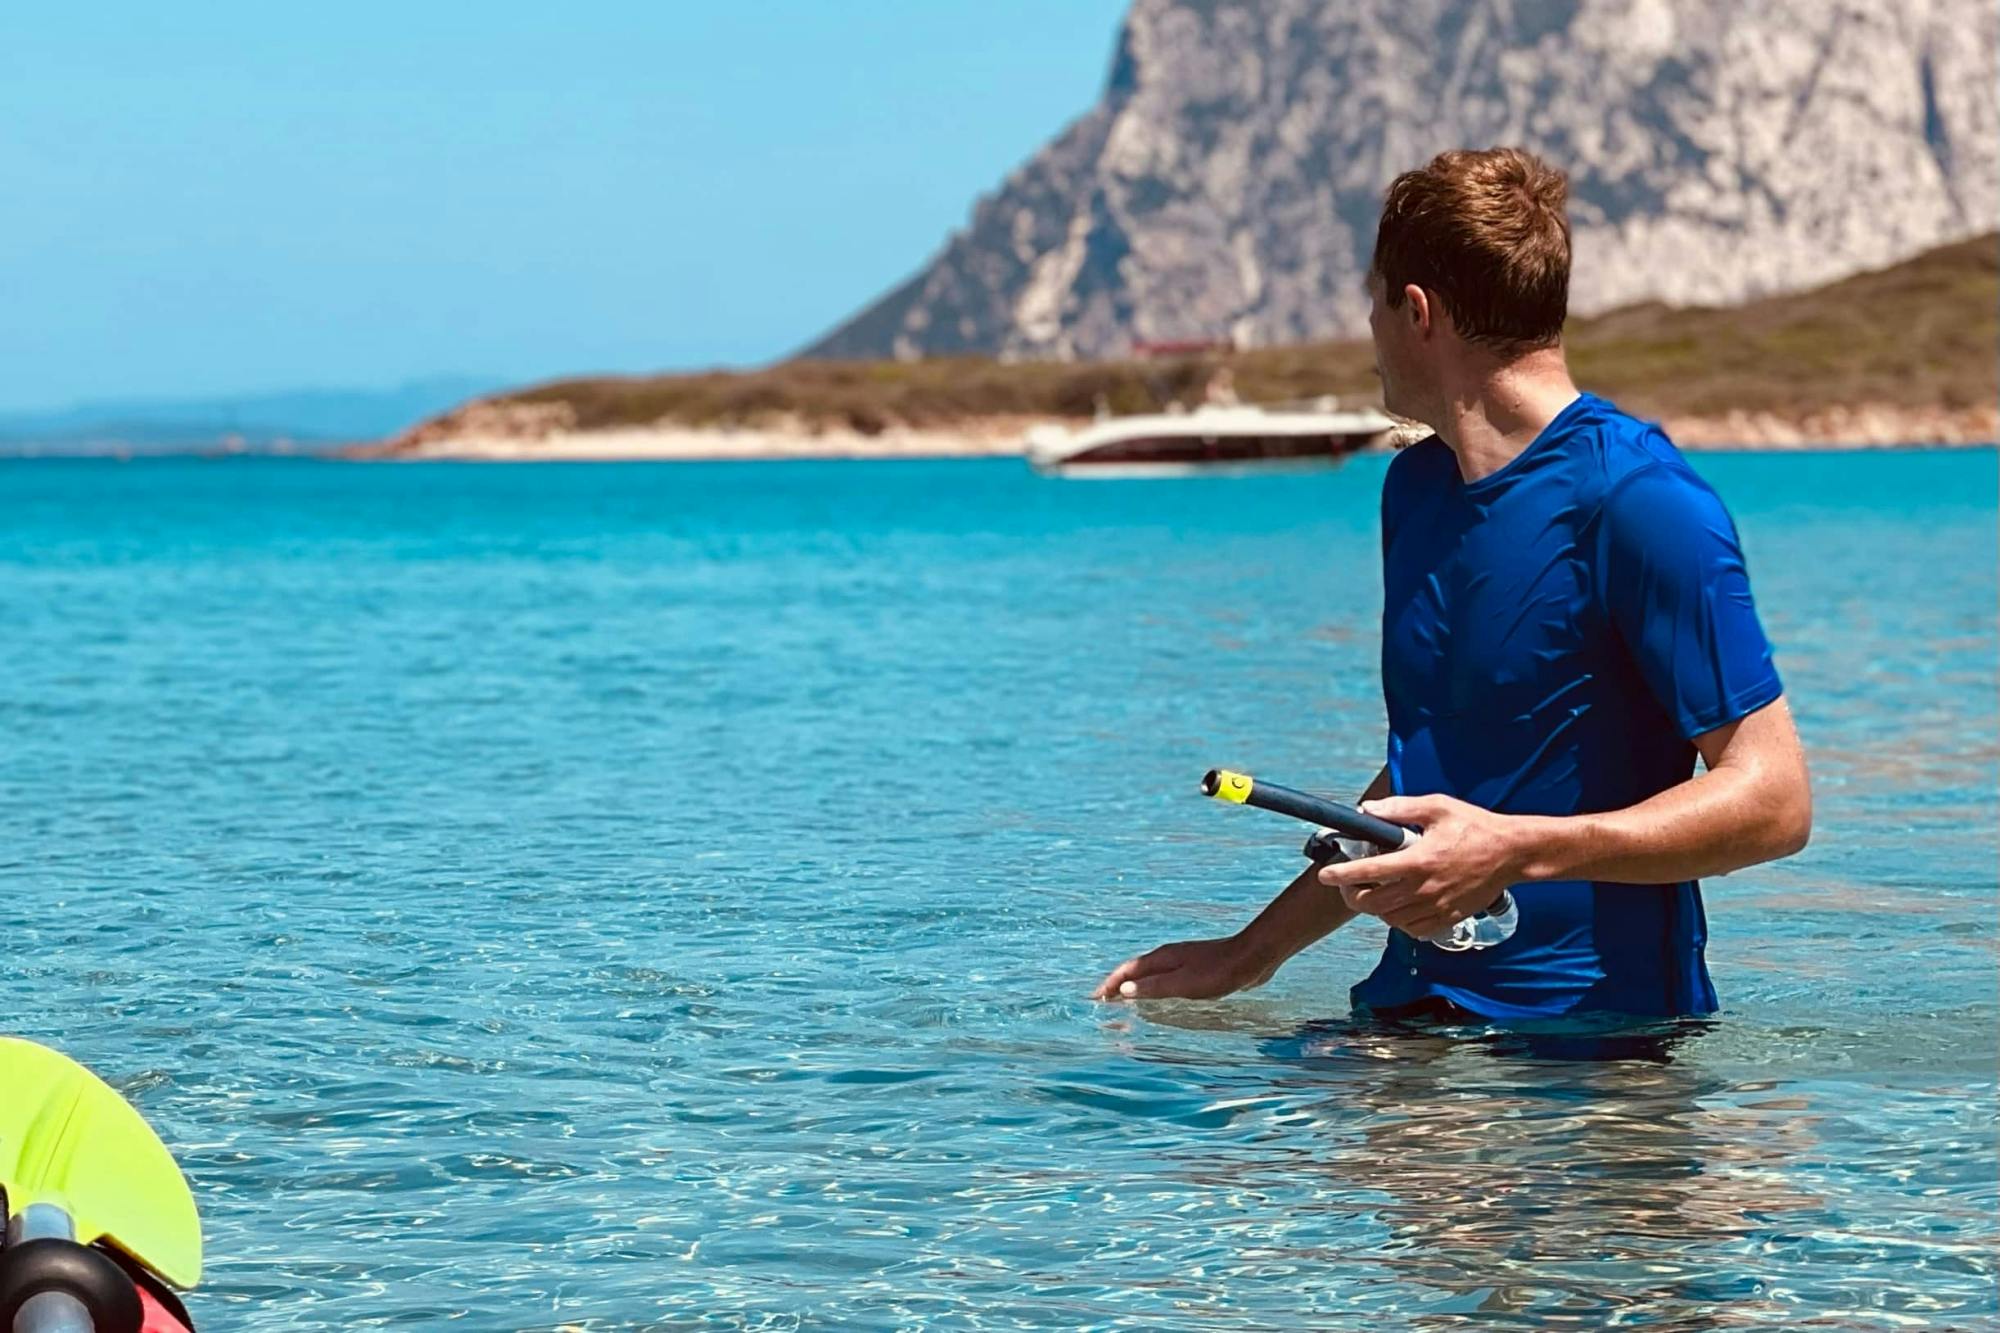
x: 664, y: 897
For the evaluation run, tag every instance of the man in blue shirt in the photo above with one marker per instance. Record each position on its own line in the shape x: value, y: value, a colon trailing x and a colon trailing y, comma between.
x: 1567, y: 624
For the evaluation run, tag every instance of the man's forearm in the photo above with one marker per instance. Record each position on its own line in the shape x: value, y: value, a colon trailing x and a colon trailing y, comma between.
x: 1723, y: 820
x: 1305, y: 913
x: 1753, y: 804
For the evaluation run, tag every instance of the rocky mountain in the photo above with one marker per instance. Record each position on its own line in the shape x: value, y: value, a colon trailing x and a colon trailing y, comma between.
x: 1226, y: 184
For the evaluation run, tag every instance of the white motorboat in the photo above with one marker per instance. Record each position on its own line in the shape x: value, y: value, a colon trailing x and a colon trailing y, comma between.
x: 1211, y: 438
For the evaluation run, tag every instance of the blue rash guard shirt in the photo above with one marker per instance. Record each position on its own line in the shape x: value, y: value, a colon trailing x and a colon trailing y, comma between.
x: 1553, y: 638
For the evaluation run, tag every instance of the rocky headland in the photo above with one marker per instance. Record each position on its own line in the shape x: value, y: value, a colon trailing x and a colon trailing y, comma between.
x: 1900, y: 356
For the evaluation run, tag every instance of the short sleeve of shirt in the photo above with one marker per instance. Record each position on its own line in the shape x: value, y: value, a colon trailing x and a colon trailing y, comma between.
x: 1392, y: 498
x: 1401, y: 476
x: 1388, y: 513
x: 1676, y: 588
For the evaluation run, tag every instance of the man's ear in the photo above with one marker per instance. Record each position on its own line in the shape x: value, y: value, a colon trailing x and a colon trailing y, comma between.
x: 1418, y: 302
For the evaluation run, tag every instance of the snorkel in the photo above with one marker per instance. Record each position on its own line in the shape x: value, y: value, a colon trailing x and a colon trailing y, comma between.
x: 1341, y: 827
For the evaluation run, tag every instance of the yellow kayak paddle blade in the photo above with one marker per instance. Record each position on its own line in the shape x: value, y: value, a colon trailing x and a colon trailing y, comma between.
x: 68, y: 1139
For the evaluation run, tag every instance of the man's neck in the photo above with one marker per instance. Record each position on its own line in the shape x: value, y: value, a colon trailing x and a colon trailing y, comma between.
x: 1498, y: 409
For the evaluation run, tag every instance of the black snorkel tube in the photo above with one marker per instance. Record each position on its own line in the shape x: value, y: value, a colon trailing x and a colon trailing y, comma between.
x: 1338, y: 821
x: 1242, y: 789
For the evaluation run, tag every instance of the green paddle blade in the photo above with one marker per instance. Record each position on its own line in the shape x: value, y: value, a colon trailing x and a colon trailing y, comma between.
x: 67, y: 1139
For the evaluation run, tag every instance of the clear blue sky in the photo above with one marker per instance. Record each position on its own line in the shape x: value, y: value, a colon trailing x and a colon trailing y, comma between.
x: 230, y: 197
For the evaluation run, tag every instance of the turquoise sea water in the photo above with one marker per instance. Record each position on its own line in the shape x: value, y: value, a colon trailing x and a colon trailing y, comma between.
x: 641, y: 897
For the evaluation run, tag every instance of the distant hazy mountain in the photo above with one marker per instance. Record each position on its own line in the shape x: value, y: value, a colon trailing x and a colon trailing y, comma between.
x: 303, y: 418
x: 1228, y: 180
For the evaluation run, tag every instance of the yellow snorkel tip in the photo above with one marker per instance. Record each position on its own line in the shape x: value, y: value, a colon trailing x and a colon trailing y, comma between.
x: 1224, y: 785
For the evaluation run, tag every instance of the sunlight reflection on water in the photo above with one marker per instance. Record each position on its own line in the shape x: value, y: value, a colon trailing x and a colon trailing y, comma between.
x: 626, y: 896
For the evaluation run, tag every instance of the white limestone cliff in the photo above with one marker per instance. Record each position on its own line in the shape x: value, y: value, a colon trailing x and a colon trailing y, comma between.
x: 1226, y: 184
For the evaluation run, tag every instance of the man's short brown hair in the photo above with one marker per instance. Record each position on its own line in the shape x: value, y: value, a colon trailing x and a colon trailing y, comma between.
x: 1486, y: 233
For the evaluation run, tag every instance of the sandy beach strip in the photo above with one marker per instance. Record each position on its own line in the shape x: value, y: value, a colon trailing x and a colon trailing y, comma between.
x: 673, y: 442
x: 1837, y: 427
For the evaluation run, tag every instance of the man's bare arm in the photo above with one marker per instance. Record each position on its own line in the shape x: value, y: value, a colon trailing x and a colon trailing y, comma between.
x: 1753, y: 804
x: 1305, y: 913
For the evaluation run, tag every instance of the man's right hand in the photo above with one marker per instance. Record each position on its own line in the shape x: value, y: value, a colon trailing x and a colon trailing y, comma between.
x: 1189, y: 970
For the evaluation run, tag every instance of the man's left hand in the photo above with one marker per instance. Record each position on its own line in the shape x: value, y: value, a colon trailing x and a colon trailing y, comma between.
x: 1465, y: 857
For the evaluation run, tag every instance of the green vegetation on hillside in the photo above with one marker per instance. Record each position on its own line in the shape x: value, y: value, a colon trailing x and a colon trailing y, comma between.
x: 1924, y: 333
